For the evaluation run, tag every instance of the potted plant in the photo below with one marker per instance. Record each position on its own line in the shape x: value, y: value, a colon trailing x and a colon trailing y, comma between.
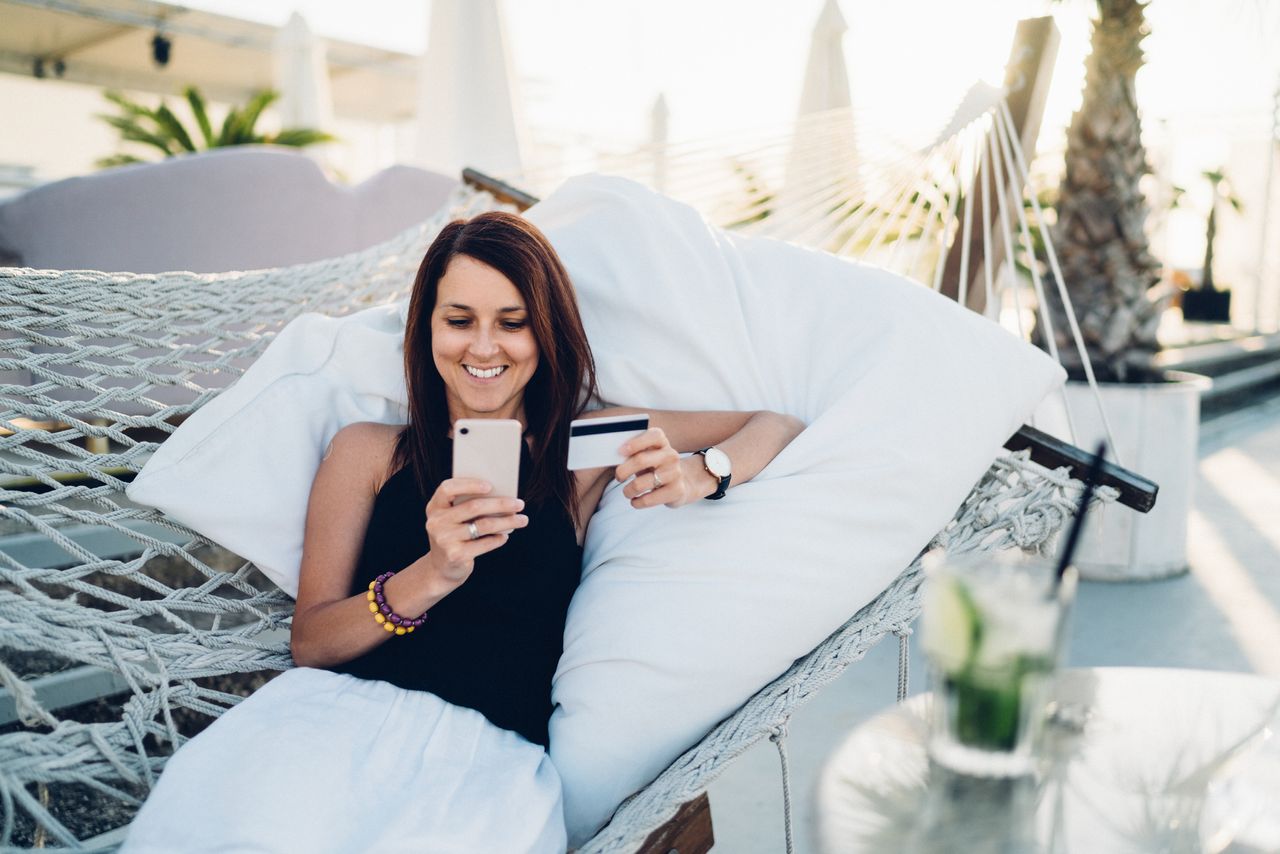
x: 1114, y: 285
x: 159, y: 128
x: 1207, y: 303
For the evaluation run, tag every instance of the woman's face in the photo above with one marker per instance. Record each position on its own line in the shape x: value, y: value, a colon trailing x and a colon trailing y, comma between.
x: 481, y: 341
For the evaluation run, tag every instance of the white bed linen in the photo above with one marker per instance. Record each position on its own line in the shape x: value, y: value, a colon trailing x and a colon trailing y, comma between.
x: 318, y: 761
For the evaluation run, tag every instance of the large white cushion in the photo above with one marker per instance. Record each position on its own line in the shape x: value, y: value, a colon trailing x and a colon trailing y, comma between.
x: 684, y: 614
x: 681, y: 614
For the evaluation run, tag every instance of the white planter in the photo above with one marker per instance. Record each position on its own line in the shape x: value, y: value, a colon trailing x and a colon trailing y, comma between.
x: 1157, y: 431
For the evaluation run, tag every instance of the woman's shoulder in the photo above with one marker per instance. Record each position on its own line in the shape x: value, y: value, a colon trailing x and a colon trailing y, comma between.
x: 371, y: 431
x: 370, y: 445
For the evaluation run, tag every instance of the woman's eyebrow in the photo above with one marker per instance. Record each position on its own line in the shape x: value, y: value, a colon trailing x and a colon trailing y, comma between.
x: 462, y: 307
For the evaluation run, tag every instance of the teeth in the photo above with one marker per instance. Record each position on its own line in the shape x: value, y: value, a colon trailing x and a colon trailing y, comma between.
x: 492, y: 372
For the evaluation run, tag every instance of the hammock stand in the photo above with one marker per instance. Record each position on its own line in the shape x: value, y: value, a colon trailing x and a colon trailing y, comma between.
x: 99, y: 596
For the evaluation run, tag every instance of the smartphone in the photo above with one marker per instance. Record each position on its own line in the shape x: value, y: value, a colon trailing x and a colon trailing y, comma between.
x: 489, y: 449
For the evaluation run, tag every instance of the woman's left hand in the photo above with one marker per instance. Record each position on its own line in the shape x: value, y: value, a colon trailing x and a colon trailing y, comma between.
x: 659, y: 475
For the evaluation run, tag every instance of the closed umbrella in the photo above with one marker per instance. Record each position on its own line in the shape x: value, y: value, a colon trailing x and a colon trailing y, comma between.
x: 301, y: 76
x: 468, y: 111
x: 823, y: 148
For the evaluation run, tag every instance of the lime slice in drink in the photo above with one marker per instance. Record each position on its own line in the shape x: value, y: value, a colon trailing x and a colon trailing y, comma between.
x: 952, y: 623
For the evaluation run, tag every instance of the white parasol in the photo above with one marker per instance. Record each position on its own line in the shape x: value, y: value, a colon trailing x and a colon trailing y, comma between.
x: 301, y: 75
x: 467, y: 104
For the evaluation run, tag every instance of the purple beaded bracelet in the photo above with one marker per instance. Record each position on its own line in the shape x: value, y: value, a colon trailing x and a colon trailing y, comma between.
x: 388, y: 619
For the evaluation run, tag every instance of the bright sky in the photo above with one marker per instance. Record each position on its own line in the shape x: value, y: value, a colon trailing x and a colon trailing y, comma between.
x: 595, y: 66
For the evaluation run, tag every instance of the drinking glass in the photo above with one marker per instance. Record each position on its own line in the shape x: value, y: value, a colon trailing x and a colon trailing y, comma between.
x: 993, y: 626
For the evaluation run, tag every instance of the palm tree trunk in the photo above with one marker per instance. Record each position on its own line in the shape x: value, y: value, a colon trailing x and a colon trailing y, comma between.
x: 1100, y: 233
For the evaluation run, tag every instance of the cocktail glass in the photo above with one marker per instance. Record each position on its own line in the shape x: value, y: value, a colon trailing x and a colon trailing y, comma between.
x: 993, y: 632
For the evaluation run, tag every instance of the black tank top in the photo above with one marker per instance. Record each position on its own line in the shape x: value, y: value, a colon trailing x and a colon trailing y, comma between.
x: 493, y: 643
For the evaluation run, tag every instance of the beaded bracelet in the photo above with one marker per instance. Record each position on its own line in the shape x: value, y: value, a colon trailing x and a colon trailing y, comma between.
x: 388, y: 619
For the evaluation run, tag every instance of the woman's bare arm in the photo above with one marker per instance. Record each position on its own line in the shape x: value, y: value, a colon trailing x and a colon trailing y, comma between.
x: 751, y: 440
x: 329, y: 625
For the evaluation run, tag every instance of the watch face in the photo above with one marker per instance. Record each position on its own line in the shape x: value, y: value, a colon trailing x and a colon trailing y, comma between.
x: 717, y: 462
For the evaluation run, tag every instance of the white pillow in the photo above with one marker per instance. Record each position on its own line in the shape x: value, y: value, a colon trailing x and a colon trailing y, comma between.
x: 681, y: 614
x: 684, y: 614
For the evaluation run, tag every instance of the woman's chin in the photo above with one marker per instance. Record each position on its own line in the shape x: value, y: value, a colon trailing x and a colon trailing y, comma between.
x: 481, y: 407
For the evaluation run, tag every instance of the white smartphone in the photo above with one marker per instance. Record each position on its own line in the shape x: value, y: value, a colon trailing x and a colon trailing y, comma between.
x: 489, y: 449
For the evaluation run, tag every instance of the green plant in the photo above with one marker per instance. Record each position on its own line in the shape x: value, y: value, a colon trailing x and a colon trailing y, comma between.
x: 159, y: 128
x: 1220, y: 189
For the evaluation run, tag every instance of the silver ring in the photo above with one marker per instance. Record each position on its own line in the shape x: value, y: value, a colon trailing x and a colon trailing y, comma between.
x: 657, y: 481
x: 475, y: 532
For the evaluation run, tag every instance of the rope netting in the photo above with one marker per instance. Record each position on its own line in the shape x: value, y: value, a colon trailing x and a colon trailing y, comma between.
x: 98, y: 595
x: 101, y: 598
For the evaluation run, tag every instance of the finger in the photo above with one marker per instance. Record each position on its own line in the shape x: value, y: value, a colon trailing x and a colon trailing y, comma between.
x: 491, y: 525
x: 652, y: 498
x: 654, y: 437
x: 484, y: 545
x: 455, y: 487
x: 651, y: 459
x: 644, y: 483
x: 455, y: 533
x: 474, y: 508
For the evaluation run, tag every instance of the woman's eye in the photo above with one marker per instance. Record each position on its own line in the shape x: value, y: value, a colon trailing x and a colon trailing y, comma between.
x: 513, y: 325
x: 457, y: 322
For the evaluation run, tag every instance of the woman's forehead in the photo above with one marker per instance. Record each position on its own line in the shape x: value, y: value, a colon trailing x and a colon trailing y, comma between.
x: 474, y: 284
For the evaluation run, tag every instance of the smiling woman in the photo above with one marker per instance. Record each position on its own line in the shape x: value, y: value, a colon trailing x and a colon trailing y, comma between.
x: 431, y: 611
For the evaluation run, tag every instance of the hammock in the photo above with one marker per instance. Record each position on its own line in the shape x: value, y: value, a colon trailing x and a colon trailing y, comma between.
x: 99, y: 596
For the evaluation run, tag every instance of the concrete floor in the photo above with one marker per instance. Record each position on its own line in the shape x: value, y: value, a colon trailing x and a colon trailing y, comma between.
x: 1223, y: 615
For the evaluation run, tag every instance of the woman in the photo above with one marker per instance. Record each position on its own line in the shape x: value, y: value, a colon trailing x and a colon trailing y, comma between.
x: 431, y: 736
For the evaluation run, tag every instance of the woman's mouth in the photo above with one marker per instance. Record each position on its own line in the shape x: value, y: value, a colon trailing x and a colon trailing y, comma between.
x: 485, y: 373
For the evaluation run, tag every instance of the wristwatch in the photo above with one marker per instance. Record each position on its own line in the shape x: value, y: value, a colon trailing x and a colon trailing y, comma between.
x: 716, y: 462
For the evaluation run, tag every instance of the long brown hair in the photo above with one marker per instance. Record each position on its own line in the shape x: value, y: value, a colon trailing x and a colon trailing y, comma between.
x: 558, y: 391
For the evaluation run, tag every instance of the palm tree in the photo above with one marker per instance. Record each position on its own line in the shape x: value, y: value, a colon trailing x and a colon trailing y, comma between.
x: 159, y: 128
x: 1107, y: 264
x: 1219, y: 190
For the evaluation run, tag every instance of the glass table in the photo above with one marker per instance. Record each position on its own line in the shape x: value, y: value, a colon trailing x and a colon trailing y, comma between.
x: 1130, y: 756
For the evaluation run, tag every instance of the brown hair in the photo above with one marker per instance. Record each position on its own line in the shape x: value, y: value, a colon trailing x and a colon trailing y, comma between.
x: 558, y: 391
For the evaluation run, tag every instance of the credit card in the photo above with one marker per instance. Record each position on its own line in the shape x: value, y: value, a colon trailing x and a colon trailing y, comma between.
x: 594, y: 442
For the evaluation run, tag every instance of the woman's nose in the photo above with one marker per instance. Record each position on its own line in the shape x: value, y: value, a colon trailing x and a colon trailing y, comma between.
x: 483, y: 344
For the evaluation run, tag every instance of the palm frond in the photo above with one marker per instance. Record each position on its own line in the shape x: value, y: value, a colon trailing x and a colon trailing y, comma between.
x: 226, y: 136
x: 132, y: 131
x: 117, y: 160
x: 130, y: 107
x: 252, y: 111
x: 165, y: 118
x: 196, y: 100
x: 301, y: 137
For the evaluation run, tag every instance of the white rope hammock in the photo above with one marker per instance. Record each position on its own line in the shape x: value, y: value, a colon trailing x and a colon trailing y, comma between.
x: 95, y: 368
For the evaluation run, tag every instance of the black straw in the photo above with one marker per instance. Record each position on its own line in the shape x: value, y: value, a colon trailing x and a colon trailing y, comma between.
x: 1073, y: 536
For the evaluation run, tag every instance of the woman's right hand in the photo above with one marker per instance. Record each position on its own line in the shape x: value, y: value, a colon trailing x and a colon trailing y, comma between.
x: 453, y: 550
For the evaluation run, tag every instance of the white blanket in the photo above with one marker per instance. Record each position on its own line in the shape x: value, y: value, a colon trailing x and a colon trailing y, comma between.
x: 324, y: 762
